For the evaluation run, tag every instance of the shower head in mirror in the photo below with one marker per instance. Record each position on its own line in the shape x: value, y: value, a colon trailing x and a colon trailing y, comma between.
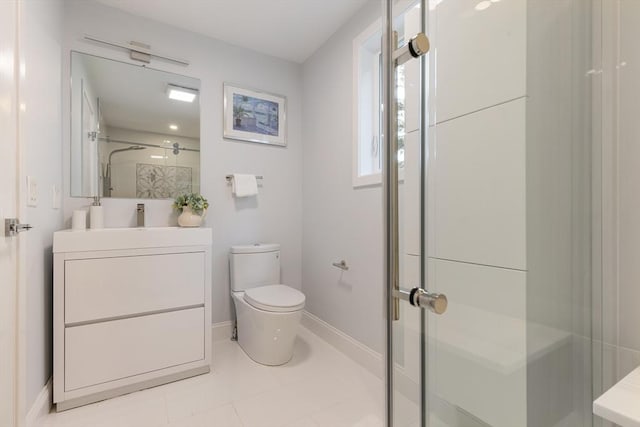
x: 120, y: 150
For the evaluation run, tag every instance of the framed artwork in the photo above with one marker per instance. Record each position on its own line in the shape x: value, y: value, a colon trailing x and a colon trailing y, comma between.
x: 254, y: 116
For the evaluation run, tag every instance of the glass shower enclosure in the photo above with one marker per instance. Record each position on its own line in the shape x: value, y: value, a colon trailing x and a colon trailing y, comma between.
x: 489, y: 202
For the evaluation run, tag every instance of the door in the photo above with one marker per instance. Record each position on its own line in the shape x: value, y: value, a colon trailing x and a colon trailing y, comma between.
x: 488, y: 192
x: 89, y: 144
x: 455, y: 186
x: 404, y: 62
x: 8, y: 209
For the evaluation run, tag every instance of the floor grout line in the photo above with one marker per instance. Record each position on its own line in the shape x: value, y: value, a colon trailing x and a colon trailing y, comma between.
x: 332, y: 381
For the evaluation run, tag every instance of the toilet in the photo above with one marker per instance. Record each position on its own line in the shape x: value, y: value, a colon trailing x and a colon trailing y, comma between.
x: 268, y: 313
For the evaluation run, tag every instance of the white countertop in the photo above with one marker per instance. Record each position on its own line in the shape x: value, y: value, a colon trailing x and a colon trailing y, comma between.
x: 129, y: 238
x: 621, y: 403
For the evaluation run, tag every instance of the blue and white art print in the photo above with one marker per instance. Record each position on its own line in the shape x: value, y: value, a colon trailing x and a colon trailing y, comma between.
x: 254, y: 116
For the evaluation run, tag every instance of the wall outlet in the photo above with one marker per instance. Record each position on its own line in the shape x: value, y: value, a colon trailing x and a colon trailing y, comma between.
x: 32, y: 192
x: 55, y: 196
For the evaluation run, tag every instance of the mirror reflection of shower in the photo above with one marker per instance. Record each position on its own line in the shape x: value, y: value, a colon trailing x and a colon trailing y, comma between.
x: 151, y: 179
x: 107, y: 188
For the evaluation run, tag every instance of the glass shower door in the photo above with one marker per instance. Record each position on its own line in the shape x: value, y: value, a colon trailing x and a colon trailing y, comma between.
x: 404, y: 46
x: 494, y: 193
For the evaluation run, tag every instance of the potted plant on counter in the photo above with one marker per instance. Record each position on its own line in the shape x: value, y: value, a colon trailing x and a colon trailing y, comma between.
x: 192, y: 208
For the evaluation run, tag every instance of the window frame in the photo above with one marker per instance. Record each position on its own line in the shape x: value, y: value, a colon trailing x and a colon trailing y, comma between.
x: 374, y: 178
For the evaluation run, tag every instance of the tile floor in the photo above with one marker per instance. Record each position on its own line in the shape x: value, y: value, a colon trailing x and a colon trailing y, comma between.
x: 319, y: 387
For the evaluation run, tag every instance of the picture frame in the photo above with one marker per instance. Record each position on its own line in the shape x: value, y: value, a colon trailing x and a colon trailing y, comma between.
x: 254, y: 116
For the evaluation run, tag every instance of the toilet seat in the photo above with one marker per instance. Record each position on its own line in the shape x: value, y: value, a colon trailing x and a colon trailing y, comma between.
x: 275, y: 298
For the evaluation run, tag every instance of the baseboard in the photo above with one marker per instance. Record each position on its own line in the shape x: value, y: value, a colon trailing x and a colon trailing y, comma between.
x: 366, y: 357
x: 221, y: 331
x: 352, y: 348
x: 131, y: 388
x: 41, y: 406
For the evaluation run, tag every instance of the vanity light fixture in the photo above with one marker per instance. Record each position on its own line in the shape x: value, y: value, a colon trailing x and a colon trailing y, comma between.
x: 153, y: 156
x: 173, y: 127
x: 180, y: 93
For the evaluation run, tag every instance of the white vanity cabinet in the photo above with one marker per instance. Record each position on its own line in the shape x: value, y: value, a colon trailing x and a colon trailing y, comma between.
x: 132, y: 309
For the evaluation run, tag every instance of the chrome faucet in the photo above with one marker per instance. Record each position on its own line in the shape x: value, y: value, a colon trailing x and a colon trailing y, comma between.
x: 140, y: 214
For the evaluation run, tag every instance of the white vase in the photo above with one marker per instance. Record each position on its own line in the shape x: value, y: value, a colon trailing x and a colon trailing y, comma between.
x: 188, y: 218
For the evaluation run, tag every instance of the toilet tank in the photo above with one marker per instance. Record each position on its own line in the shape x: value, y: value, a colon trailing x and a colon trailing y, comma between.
x: 254, y: 265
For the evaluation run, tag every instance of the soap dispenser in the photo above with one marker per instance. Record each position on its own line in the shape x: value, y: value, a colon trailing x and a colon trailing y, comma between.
x: 96, y: 214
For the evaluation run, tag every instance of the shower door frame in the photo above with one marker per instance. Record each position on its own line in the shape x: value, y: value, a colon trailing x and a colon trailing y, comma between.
x: 390, y: 180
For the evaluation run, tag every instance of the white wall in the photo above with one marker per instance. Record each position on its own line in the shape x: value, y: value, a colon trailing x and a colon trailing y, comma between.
x: 339, y: 222
x: 275, y: 215
x: 476, y: 212
x: 509, y: 211
x: 629, y: 177
x: 559, y: 210
x: 620, y: 291
x: 40, y: 127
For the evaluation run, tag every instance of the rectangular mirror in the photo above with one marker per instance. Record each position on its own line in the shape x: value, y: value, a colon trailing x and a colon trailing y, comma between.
x: 135, y: 131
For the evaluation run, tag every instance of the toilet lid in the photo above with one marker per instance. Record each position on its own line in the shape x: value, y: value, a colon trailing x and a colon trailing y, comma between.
x: 279, y: 298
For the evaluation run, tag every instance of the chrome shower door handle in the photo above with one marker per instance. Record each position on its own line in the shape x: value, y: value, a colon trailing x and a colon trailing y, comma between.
x: 418, y: 297
x: 436, y: 303
x: 415, y: 48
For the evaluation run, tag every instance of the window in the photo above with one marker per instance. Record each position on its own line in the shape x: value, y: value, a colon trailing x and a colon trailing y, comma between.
x: 367, y: 146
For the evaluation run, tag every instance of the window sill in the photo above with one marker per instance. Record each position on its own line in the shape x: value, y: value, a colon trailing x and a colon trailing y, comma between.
x: 374, y: 180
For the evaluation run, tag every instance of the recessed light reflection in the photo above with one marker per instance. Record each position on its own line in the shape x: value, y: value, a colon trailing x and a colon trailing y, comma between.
x: 483, y: 5
x: 433, y: 4
x: 173, y: 127
x: 181, y: 93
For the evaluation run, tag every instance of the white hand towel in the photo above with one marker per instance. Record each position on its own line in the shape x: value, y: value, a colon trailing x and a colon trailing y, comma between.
x: 244, y: 185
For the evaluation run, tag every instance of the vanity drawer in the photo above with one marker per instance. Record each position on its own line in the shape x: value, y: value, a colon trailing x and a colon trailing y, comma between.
x: 109, y: 351
x: 104, y: 288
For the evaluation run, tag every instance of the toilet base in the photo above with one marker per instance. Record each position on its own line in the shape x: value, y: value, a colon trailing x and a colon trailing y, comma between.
x: 266, y: 337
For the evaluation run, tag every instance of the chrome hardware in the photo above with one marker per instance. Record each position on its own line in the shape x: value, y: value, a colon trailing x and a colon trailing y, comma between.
x: 393, y: 57
x: 342, y: 265
x: 436, y: 303
x: 390, y: 169
x: 140, y: 214
x: 230, y: 177
x: 12, y: 227
x: 139, y: 51
x: 415, y: 48
x: 418, y: 297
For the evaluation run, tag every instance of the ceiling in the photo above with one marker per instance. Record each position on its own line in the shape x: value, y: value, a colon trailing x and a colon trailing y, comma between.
x: 142, y: 103
x: 287, y: 29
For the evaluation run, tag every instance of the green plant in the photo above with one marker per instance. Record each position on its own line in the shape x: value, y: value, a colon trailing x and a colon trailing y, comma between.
x: 195, y: 201
x: 238, y: 111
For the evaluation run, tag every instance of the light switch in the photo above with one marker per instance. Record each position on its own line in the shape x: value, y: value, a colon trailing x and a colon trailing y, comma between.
x: 55, y: 196
x: 32, y: 192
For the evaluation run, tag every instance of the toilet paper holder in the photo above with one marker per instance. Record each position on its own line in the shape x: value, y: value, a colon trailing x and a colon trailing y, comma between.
x: 342, y: 265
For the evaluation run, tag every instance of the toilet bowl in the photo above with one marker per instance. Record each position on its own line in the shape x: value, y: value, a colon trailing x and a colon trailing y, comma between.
x: 267, y: 313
